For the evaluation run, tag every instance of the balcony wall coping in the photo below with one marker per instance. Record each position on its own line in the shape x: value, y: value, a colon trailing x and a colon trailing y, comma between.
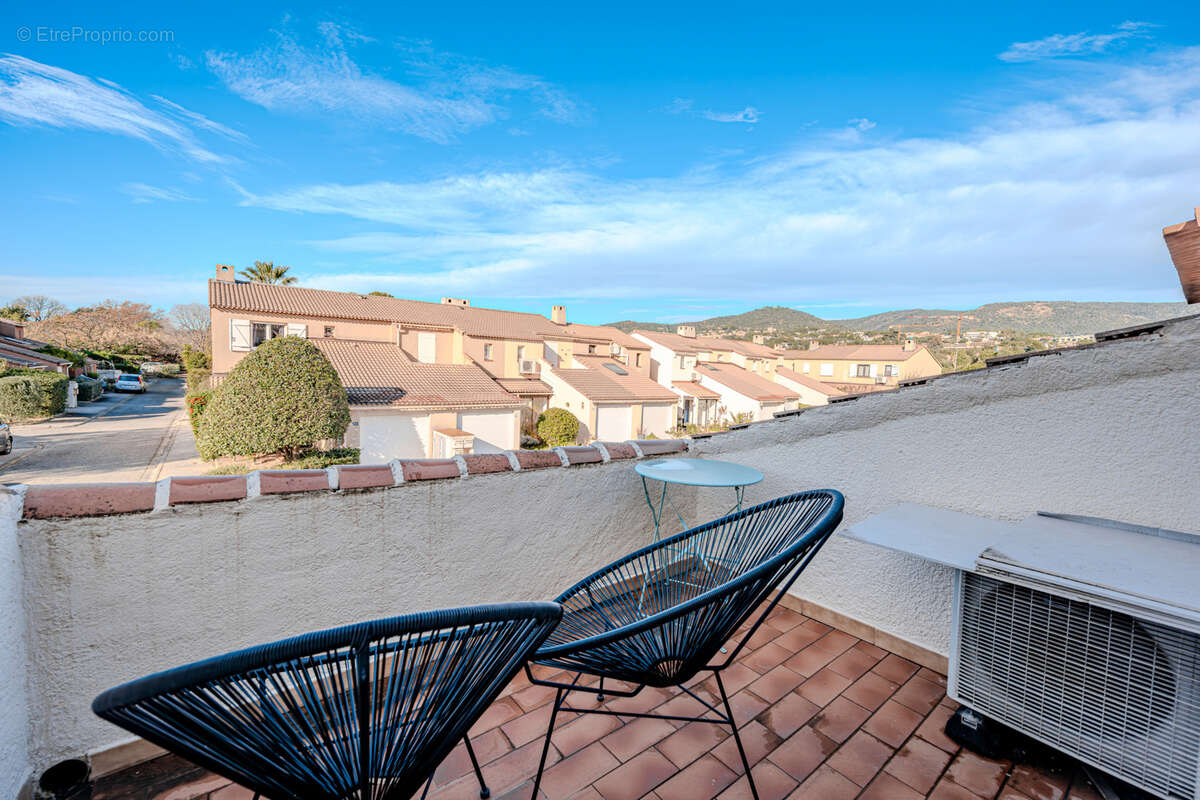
x: 105, y: 499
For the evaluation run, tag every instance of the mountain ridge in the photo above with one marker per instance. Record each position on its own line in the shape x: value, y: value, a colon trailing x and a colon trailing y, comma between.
x: 1057, y: 317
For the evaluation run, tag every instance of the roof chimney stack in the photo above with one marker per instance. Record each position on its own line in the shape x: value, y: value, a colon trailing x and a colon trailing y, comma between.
x: 226, y: 273
x: 909, y: 344
x: 688, y: 331
x: 558, y: 315
x: 758, y: 338
x: 455, y: 301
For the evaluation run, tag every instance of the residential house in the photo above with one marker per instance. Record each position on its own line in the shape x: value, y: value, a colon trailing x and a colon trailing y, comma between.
x: 18, y: 351
x: 612, y: 402
x: 811, y: 391
x: 745, y: 395
x: 862, y: 365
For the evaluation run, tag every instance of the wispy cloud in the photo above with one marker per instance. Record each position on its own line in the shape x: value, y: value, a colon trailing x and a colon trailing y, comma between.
x: 33, y: 93
x: 145, y: 193
x: 1074, y: 44
x: 446, y: 96
x: 200, y: 121
x: 1062, y: 198
x: 683, y: 105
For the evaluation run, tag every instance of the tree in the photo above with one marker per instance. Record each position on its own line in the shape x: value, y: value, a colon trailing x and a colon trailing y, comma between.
x: 15, y: 312
x: 281, y: 398
x: 267, y: 272
x: 378, y: 293
x: 118, y: 327
x: 191, y: 324
x: 40, y: 307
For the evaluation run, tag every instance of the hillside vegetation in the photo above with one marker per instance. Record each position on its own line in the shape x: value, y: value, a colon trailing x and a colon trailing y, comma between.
x: 1056, y: 317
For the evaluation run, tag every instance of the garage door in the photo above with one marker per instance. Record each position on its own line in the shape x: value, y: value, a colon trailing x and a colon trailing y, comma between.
x: 657, y: 419
x: 614, y: 423
x: 495, y: 431
x: 389, y: 436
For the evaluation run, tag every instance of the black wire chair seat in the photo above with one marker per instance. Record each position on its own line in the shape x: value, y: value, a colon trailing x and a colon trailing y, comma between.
x: 661, y: 614
x: 361, y: 712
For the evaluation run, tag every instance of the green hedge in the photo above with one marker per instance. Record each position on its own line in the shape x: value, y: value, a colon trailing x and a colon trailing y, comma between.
x: 89, y: 389
x: 30, y: 394
x: 281, y: 398
x: 557, y: 427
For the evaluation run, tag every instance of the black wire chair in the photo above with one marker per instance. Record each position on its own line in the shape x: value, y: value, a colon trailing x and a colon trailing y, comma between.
x: 364, y: 711
x: 660, y: 615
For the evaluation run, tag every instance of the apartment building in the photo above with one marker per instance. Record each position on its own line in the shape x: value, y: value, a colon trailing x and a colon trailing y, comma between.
x: 862, y: 365
x: 414, y: 369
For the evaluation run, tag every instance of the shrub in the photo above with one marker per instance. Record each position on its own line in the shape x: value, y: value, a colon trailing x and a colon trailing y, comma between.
x: 89, y: 389
x: 281, y: 398
x: 196, y: 403
x: 557, y: 427
x: 30, y: 394
x: 198, y: 366
x: 320, y: 459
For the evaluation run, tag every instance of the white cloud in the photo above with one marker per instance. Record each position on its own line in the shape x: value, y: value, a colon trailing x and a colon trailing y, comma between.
x: 683, y: 105
x: 145, y: 193
x: 32, y: 93
x: 1074, y: 44
x: 451, y: 95
x: 1060, y: 199
x: 861, y: 124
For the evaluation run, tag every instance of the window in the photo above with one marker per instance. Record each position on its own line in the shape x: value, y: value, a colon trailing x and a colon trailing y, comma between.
x: 329, y: 330
x: 591, y: 349
x: 637, y: 360
x: 827, y: 370
x: 487, y: 351
x: 262, y: 331
x: 862, y: 370
x: 520, y: 352
x: 889, y: 370
x: 804, y: 368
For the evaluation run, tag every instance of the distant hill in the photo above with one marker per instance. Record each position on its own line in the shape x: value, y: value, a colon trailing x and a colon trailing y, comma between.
x: 1057, y: 317
x: 779, y: 317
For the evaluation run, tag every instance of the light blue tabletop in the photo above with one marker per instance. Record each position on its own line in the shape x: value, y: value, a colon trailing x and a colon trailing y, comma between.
x: 698, y: 472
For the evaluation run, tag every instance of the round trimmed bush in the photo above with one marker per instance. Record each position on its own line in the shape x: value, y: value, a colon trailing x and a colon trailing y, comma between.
x: 281, y: 398
x: 557, y: 427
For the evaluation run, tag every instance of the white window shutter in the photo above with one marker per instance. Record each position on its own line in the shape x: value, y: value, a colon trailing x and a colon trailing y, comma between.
x: 298, y: 330
x: 239, y: 334
x: 805, y: 370
x: 874, y: 370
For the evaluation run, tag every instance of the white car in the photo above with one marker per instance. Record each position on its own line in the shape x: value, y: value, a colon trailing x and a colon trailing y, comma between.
x: 6, y: 438
x: 130, y: 383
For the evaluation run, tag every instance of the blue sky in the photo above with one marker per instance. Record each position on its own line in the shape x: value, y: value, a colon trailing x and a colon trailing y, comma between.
x: 653, y: 161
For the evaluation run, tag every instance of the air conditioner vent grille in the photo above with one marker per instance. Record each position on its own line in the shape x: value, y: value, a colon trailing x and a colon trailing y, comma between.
x: 1112, y: 690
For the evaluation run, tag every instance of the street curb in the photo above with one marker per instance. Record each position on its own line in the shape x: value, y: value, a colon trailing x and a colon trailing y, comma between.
x: 104, y: 413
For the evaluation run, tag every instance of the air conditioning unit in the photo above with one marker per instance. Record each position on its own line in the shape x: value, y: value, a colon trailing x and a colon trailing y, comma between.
x: 529, y: 367
x: 1105, y: 673
x: 881, y: 379
x: 1082, y: 633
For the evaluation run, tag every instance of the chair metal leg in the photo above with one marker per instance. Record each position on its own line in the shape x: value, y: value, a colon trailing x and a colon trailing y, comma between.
x: 484, y: 791
x: 600, y: 697
x: 736, y: 736
x: 537, y: 782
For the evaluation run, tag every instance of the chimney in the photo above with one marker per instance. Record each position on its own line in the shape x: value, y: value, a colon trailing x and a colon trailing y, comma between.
x: 455, y: 301
x: 688, y: 331
x: 759, y: 339
x: 813, y: 344
x: 1183, y: 243
x: 558, y: 315
x: 909, y: 344
x: 226, y: 273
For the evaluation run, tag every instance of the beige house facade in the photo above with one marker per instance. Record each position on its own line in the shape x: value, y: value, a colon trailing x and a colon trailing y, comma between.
x: 862, y: 365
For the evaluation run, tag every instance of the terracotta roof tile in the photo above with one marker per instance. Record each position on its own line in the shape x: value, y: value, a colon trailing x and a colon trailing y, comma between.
x: 745, y: 382
x: 599, y: 383
x: 811, y: 383
x: 697, y: 344
x: 696, y: 390
x: 379, y: 373
x: 855, y: 352
x: 525, y: 386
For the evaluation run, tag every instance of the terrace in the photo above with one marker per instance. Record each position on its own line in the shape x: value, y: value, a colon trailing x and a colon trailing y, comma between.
x: 841, y: 694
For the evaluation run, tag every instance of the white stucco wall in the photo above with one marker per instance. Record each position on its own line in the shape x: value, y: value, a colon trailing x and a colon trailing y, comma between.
x: 735, y: 403
x: 808, y: 396
x: 1110, y: 432
x: 115, y: 598
x: 14, y: 720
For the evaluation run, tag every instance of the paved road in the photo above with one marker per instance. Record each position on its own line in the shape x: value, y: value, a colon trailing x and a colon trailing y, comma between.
x: 139, y: 438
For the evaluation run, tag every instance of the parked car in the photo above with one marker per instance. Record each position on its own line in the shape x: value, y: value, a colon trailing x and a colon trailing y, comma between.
x: 6, y: 438
x: 130, y: 383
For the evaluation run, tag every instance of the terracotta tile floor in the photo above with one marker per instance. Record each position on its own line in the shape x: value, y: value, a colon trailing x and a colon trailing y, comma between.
x: 823, y: 715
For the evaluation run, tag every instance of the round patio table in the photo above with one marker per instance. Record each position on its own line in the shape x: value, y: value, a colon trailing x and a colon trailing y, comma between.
x: 693, y: 472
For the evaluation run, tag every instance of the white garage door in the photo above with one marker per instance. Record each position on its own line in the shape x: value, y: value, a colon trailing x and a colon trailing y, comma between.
x: 495, y: 431
x: 657, y: 419
x: 389, y: 436
x: 614, y: 423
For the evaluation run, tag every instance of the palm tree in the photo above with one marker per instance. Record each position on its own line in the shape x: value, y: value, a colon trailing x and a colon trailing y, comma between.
x: 267, y: 272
